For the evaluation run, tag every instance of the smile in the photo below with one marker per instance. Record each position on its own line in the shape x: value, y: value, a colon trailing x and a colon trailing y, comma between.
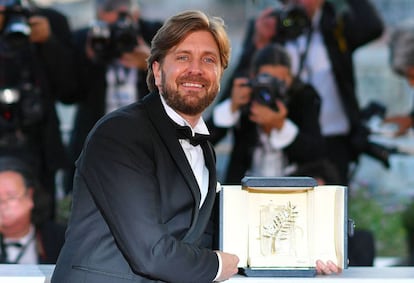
x: 196, y: 85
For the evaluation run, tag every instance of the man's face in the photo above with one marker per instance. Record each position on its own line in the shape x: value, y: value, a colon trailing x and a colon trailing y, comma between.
x: 189, y: 76
x: 16, y: 202
x: 111, y: 16
x: 280, y: 72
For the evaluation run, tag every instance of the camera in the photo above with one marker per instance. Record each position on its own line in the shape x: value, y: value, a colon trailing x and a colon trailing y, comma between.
x: 20, y: 107
x: 109, y: 41
x: 16, y: 29
x: 267, y: 89
x: 360, y: 138
x: 361, y: 143
x: 292, y: 21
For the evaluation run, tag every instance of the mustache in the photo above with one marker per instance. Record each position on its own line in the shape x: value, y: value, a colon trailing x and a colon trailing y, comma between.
x: 193, y: 79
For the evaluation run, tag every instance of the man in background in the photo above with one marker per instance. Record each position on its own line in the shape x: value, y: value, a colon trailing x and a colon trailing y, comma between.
x: 26, y: 235
x: 402, y: 63
x: 112, y: 68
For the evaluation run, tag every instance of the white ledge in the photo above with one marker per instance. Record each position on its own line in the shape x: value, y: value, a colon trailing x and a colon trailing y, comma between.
x: 29, y: 273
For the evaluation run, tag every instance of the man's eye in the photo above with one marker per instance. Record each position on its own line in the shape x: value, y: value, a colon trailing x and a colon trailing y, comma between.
x: 209, y: 60
x: 182, y: 58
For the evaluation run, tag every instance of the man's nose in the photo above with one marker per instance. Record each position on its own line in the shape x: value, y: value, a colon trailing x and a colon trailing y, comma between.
x: 195, y: 67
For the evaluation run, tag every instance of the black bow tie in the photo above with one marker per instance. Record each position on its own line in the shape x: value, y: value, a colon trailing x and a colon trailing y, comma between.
x: 184, y: 132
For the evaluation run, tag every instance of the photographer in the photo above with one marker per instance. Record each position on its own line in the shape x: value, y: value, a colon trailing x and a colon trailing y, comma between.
x: 271, y: 137
x: 112, y: 71
x: 36, y: 70
x: 321, y: 55
x: 401, y: 46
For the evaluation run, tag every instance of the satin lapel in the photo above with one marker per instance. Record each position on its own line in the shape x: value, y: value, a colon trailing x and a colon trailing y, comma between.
x: 165, y: 129
x: 205, y: 212
x: 210, y: 159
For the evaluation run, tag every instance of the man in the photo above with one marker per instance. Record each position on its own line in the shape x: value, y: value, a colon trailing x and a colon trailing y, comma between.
x: 322, y: 56
x: 25, y: 236
x: 402, y: 63
x: 275, y: 137
x: 37, y: 65
x: 142, y: 196
x: 109, y: 78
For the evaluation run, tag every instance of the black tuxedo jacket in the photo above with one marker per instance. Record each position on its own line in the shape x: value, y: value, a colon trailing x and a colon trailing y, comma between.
x: 135, y: 214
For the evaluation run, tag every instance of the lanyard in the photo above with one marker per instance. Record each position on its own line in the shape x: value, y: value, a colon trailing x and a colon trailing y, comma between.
x: 23, y: 248
x: 303, y: 55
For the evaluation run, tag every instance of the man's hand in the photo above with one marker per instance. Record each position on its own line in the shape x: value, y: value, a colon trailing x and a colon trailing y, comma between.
x: 138, y: 57
x: 229, y: 266
x: 404, y: 123
x: 327, y: 268
x: 40, y: 29
x: 267, y: 118
x: 240, y: 93
x: 265, y: 28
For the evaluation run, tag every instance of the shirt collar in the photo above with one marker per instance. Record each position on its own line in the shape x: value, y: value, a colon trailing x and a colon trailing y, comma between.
x: 200, y: 128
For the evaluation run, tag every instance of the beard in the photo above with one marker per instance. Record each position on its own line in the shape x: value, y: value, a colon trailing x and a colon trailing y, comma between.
x: 190, y: 102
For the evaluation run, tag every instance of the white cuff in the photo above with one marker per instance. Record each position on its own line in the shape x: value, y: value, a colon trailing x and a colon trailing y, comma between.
x: 220, y: 266
x: 223, y: 117
x: 280, y: 139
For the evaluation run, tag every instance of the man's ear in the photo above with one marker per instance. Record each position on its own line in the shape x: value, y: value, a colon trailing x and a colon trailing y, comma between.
x: 156, y: 69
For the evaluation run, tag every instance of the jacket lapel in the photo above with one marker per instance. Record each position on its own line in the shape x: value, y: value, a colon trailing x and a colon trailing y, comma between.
x: 167, y: 132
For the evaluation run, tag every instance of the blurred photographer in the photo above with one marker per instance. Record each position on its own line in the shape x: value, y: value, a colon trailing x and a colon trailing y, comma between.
x: 36, y: 70
x: 274, y: 118
x: 321, y: 50
x: 402, y: 63
x: 111, y: 56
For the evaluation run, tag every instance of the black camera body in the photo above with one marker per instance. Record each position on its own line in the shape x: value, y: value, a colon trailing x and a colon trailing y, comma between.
x: 20, y: 106
x: 109, y: 41
x: 267, y: 89
x: 292, y: 21
x: 16, y: 29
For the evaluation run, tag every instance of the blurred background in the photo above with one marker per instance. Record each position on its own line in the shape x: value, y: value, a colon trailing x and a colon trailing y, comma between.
x: 378, y: 195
